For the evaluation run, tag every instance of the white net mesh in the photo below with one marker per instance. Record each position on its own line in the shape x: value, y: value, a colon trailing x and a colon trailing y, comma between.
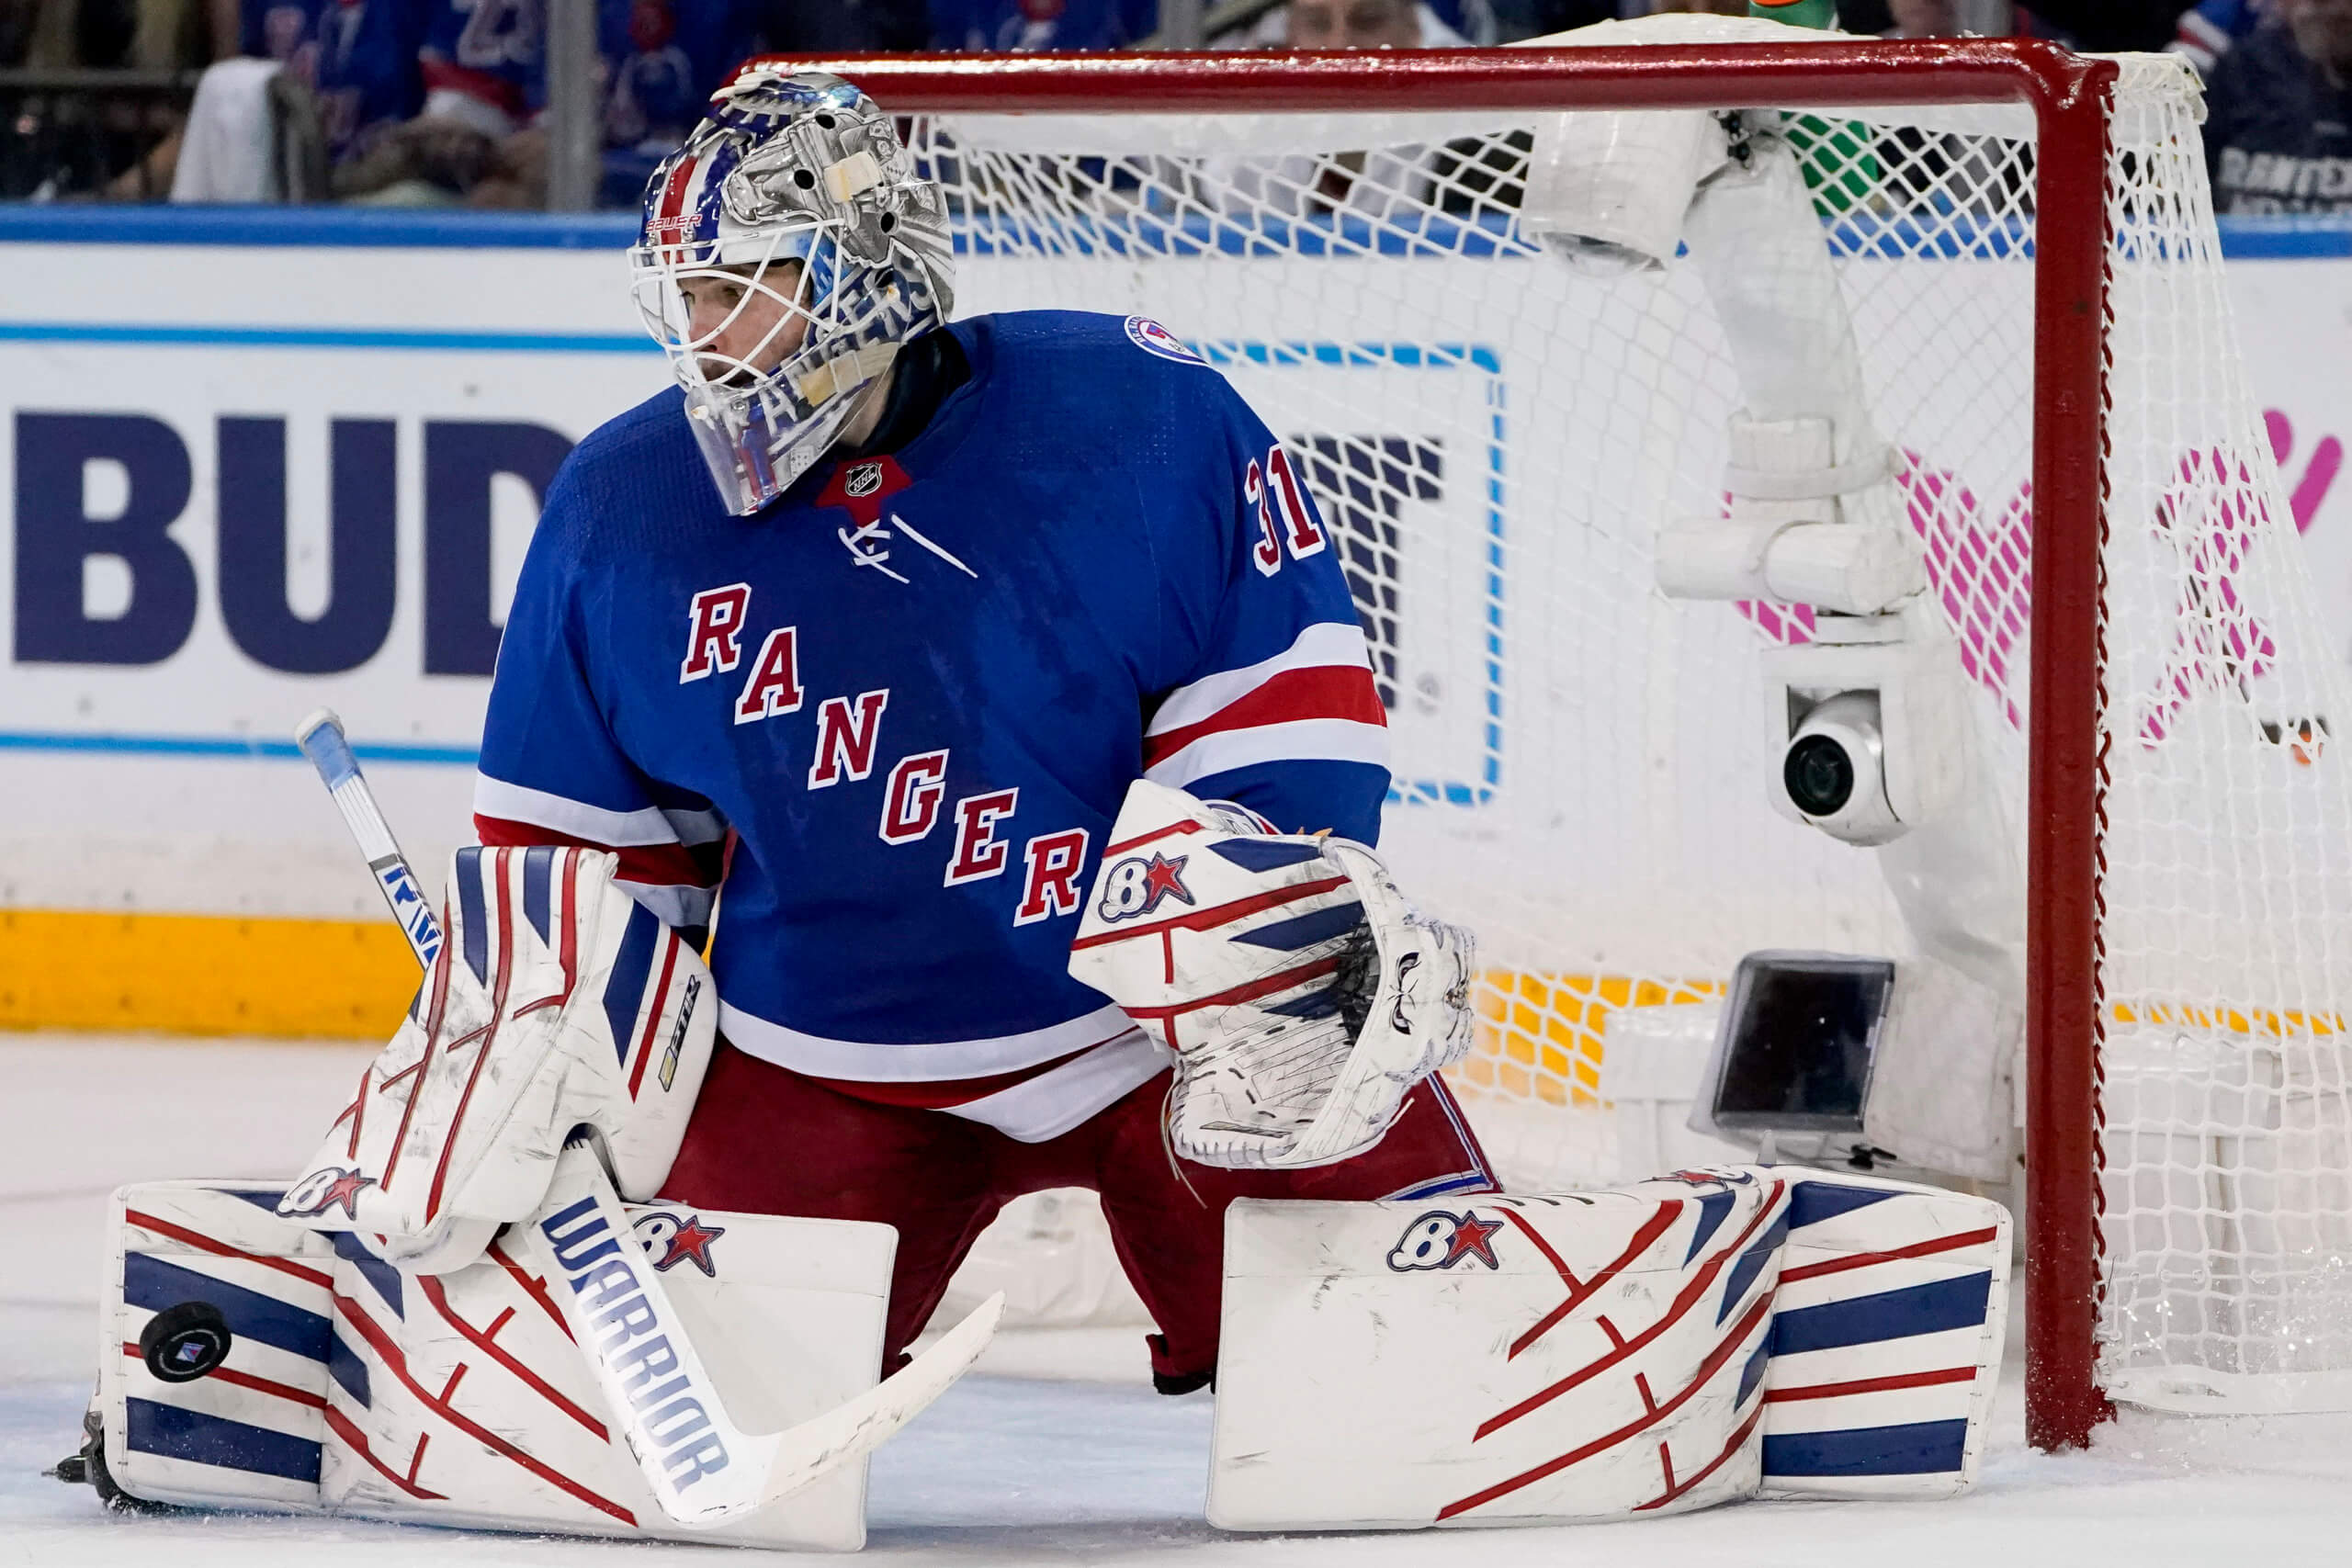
x: 1582, y: 763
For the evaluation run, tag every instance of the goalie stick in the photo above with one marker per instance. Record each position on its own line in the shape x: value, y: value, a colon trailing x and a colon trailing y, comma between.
x: 322, y: 739
x: 581, y: 1237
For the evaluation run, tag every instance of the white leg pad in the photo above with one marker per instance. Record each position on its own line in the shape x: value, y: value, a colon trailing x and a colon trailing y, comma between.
x: 1498, y: 1361
x: 1718, y: 1334
x: 353, y: 1388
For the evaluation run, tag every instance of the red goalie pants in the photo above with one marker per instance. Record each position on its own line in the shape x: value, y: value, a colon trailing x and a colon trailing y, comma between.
x: 764, y: 1139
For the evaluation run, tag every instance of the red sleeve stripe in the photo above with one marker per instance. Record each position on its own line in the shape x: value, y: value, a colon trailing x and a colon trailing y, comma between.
x: 1338, y: 643
x: 1325, y: 690
x: 659, y: 865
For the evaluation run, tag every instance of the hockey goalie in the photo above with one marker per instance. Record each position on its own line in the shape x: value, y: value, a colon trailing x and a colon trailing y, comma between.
x: 1042, y: 768
x: 878, y: 616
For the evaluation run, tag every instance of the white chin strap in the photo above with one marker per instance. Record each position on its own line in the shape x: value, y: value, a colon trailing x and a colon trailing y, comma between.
x: 847, y: 373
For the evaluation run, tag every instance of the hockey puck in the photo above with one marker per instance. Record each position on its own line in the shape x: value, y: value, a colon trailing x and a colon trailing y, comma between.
x: 182, y: 1343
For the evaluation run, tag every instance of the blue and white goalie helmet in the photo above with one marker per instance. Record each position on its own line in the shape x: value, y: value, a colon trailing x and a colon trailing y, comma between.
x: 796, y: 208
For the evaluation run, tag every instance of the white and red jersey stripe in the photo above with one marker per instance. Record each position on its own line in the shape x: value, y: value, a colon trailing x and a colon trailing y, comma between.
x: 1313, y: 702
x: 1032, y: 1085
x: 671, y: 860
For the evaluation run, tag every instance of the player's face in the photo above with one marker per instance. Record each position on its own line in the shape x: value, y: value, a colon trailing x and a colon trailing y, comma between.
x: 1351, y: 24
x: 2324, y: 32
x: 743, y: 317
x: 1924, y: 18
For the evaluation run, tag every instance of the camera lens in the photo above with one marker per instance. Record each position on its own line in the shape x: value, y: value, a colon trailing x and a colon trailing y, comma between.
x: 1818, y: 775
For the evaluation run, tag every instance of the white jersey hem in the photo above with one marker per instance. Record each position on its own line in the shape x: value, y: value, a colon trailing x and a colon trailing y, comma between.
x: 863, y: 1061
x: 1053, y: 1102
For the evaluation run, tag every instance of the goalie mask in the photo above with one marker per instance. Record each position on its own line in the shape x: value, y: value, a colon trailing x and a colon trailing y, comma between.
x: 796, y: 200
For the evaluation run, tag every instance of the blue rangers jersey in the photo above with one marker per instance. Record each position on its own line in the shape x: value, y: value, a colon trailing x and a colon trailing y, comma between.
x: 899, y: 708
x: 2278, y: 129
x: 360, y: 56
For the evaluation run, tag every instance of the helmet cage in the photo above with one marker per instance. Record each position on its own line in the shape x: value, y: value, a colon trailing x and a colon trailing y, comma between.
x: 805, y: 171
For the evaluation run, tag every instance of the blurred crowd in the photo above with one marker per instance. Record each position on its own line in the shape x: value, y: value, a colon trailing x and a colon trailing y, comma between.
x: 443, y: 102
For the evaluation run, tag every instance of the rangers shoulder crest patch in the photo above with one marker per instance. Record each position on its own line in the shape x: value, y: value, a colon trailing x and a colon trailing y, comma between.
x: 1153, y: 338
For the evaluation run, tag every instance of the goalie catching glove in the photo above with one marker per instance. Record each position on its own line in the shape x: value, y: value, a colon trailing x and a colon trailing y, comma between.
x: 1302, y: 994
x: 556, y: 1002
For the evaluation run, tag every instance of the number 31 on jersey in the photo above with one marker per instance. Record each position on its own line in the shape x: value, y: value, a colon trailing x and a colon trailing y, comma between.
x: 1284, y: 515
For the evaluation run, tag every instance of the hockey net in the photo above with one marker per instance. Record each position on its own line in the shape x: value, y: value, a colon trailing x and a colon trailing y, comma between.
x: 1581, y: 773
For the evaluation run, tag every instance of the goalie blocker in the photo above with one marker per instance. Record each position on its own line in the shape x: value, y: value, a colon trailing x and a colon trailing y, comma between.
x: 556, y: 1002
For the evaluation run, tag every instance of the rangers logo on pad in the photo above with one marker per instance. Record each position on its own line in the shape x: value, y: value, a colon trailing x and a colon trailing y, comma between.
x: 671, y: 1239
x: 322, y: 1190
x: 1441, y: 1240
x: 1138, y: 884
x: 1153, y: 338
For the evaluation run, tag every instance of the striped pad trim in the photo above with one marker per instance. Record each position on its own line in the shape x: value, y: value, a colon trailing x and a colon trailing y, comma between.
x: 1890, y: 1314
x: 148, y: 1281
x: 171, y: 1432
x: 1886, y: 1342
x: 1920, y: 1448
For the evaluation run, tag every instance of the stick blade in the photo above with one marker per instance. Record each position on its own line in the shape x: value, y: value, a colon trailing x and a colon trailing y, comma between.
x: 815, y: 1448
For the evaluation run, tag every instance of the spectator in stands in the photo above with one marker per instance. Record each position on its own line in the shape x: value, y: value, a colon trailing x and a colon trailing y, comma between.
x: 828, y: 27
x: 2103, y: 25
x: 439, y: 102
x: 1028, y: 25
x: 2208, y: 31
x: 1375, y: 183
x: 141, y: 131
x: 1922, y: 18
x: 1517, y: 20
x: 357, y: 57
x: 2278, y: 114
x: 478, y: 138
x: 1365, y: 24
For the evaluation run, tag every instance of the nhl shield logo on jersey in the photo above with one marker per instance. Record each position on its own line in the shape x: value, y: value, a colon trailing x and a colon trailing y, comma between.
x: 1441, y: 1240
x: 1153, y: 338
x: 1138, y: 884
x: 671, y: 1239
x: 862, y: 480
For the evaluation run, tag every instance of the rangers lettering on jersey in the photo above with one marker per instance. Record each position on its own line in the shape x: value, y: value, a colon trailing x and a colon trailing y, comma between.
x: 911, y: 803
x: 906, y: 775
x: 775, y: 684
x: 1051, y: 889
x: 845, y: 738
x: 715, y: 624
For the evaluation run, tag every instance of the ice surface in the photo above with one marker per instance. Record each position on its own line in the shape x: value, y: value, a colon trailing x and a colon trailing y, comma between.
x: 1057, y: 1452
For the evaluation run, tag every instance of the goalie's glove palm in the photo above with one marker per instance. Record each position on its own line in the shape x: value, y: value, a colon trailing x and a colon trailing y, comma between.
x: 1303, y: 994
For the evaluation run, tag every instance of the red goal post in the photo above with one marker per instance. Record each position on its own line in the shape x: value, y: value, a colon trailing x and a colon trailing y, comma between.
x: 2070, y: 98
